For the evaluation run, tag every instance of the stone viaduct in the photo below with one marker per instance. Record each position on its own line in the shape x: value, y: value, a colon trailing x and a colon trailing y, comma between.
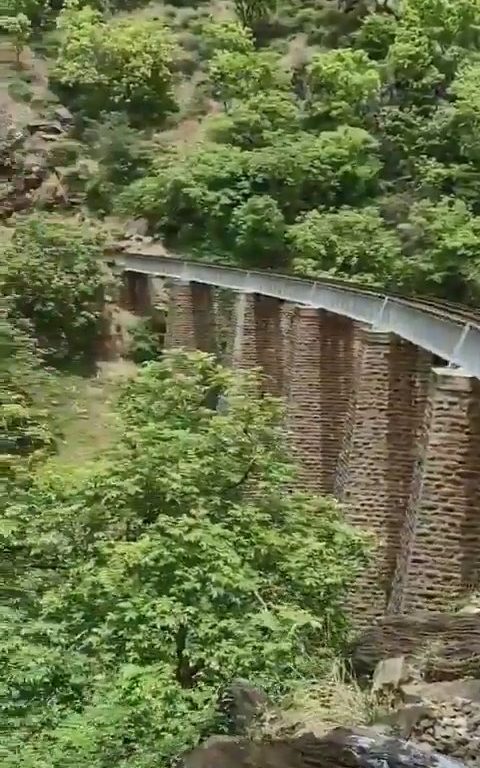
x: 382, y: 402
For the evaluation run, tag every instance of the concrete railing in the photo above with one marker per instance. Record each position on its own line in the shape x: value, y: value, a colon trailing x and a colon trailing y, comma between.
x: 451, y: 332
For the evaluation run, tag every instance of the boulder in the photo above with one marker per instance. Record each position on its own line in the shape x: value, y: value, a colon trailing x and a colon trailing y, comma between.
x: 242, y: 703
x: 340, y: 748
x: 452, y: 728
x: 136, y: 228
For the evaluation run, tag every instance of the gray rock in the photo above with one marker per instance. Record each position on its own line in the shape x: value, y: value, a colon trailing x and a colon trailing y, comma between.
x: 136, y: 228
x: 242, y: 702
x: 341, y: 748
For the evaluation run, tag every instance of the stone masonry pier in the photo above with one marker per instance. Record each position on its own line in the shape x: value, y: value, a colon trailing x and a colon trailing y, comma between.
x: 372, y: 418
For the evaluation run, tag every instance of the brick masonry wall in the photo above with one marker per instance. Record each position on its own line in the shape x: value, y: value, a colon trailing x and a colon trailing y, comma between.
x: 135, y: 293
x: 244, y: 353
x: 341, y: 474
x: 269, y: 342
x: 225, y: 315
x: 422, y: 402
x: 303, y: 402
x: 204, y: 317
x: 444, y: 543
x: 259, y: 339
x: 384, y: 420
x: 180, y: 324
x: 319, y: 362
x: 361, y: 423
x: 122, y: 313
x: 337, y: 372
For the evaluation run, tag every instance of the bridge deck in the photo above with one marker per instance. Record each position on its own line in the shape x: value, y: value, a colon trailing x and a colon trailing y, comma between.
x: 451, y: 332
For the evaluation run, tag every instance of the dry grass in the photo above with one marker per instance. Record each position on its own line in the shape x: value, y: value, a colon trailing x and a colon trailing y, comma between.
x: 318, y: 706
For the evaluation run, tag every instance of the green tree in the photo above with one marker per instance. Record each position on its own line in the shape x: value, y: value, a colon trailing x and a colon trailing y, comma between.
x: 183, y: 564
x: 20, y: 29
x: 25, y: 426
x: 120, y: 153
x: 225, y: 36
x: 190, y: 200
x: 441, y: 242
x: 53, y: 277
x: 259, y: 231
x: 116, y: 64
x: 252, y: 12
x: 343, y: 87
x: 236, y: 75
x: 253, y: 123
x: 307, y: 170
x: 349, y: 243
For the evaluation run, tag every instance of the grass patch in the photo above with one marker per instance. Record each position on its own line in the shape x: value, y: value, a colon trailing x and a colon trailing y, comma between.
x: 84, y: 415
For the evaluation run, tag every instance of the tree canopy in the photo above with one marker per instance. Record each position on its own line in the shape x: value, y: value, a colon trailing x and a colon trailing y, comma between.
x: 104, y: 64
x: 53, y: 278
x: 175, y: 564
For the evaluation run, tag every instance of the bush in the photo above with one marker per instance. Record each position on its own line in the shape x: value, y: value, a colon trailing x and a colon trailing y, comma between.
x: 119, y: 64
x: 53, y: 276
x: 146, y: 340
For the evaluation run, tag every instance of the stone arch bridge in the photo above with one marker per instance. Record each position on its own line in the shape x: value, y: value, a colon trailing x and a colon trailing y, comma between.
x: 383, y: 405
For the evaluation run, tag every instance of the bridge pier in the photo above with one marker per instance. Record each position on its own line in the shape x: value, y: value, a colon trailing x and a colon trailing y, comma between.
x: 321, y: 372
x: 440, y: 558
x: 191, y: 322
x: 378, y: 456
x: 303, y: 400
x: 259, y: 339
x: 136, y: 293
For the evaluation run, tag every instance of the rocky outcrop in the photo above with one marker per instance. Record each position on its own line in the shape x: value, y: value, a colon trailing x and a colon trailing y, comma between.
x: 452, y: 728
x: 341, y: 748
x: 444, y: 716
x: 25, y: 162
x: 441, y: 646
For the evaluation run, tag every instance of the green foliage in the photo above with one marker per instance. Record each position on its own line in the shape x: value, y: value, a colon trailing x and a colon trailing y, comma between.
x: 253, y: 123
x: 327, y: 141
x: 442, y: 242
x: 225, y: 36
x: 19, y: 27
x: 25, y: 429
x: 53, y: 277
x: 121, y: 156
x: 196, y: 198
x: 259, y: 228
x: 343, y: 87
x: 191, y: 197
x: 116, y: 64
x: 349, y: 243
x: 146, y: 340
x: 177, y: 563
x: 237, y: 75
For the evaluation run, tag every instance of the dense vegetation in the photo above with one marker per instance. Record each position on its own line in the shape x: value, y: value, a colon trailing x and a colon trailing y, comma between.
x: 328, y: 143
x: 141, y: 586
x: 304, y: 138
